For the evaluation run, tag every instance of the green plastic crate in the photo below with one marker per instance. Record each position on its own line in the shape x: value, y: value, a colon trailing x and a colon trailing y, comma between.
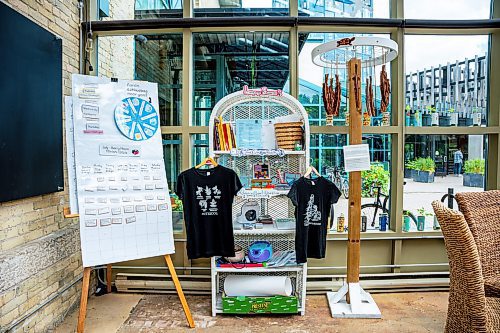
x: 254, y: 304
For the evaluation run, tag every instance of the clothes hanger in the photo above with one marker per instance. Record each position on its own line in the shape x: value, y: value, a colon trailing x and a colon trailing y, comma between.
x: 310, y: 170
x: 207, y: 161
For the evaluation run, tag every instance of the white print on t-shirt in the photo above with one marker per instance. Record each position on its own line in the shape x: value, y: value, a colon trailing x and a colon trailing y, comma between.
x: 207, y: 200
x: 312, y: 215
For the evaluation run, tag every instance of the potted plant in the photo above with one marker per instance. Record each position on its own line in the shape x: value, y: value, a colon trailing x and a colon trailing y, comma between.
x: 474, y: 173
x: 426, y: 117
x: 425, y: 168
x: 177, y: 212
x: 421, y: 218
x: 453, y: 117
x: 445, y: 119
x: 416, y: 118
x: 410, y: 169
x: 408, y: 116
x: 406, y: 222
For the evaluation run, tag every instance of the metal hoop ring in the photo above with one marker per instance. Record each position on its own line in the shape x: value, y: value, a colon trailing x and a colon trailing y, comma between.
x: 388, y: 45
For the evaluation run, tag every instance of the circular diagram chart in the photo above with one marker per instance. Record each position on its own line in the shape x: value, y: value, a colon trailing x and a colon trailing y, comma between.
x: 136, y: 119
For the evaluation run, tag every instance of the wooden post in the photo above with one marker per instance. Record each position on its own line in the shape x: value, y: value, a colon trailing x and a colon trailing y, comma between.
x: 178, y: 287
x: 108, y: 278
x: 83, y: 299
x: 355, y: 137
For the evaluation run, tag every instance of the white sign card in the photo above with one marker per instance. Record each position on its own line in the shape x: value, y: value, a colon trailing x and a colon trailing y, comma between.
x: 70, y: 154
x: 356, y: 158
x: 123, y: 196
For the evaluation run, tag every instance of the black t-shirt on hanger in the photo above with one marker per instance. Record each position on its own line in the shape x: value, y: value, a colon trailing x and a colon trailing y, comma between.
x: 207, y: 197
x: 312, y: 199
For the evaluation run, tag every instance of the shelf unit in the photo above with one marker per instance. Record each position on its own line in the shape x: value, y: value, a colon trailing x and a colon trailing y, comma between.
x: 271, y: 201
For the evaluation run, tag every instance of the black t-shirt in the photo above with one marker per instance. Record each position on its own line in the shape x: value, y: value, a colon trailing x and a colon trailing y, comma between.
x: 312, y: 199
x: 207, y: 196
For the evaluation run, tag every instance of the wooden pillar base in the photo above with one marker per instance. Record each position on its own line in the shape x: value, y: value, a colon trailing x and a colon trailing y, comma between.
x: 361, y: 303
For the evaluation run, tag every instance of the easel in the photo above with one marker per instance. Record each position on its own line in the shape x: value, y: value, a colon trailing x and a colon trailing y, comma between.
x: 86, y: 282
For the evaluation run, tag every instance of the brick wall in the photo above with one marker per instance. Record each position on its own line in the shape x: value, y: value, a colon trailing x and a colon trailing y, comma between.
x: 40, y: 261
x: 116, y: 53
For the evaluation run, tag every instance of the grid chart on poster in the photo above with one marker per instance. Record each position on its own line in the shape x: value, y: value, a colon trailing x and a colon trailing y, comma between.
x: 125, y: 210
x: 123, y: 196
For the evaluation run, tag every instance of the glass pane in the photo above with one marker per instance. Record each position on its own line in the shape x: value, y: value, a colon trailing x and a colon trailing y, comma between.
x: 199, y: 143
x: 328, y: 157
x: 139, y: 9
x: 153, y: 58
x: 311, y: 78
x: 433, y: 165
x: 225, y: 62
x: 172, y: 156
x: 344, y: 8
x: 218, y: 8
x: 446, y: 80
x: 447, y: 9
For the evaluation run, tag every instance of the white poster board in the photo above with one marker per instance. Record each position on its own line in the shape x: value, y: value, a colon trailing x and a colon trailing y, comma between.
x: 70, y: 154
x: 123, y: 196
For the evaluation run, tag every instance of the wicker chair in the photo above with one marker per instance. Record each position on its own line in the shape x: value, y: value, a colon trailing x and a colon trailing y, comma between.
x: 482, y: 213
x: 469, y: 310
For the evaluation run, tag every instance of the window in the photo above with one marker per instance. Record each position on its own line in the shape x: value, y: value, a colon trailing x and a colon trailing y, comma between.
x: 446, y: 80
x: 217, y: 8
x: 226, y: 62
x: 139, y: 9
x: 173, y: 157
x: 447, y: 9
x: 311, y: 78
x: 344, y: 8
x: 328, y: 157
x: 432, y: 168
x: 153, y: 58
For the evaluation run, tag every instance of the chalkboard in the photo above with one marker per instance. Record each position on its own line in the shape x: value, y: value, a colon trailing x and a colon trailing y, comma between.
x: 31, y: 138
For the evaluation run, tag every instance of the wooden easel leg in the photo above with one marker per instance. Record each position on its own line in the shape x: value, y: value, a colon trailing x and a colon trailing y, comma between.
x: 83, y: 300
x: 108, y: 278
x: 178, y: 287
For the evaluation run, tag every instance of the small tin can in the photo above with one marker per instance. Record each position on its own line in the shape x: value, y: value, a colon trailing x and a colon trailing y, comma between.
x: 383, y: 221
x: 340, y: 223
x: 406, y: 223
x: 364, y: 222
x: 420, y: 223
x: 436, y: 225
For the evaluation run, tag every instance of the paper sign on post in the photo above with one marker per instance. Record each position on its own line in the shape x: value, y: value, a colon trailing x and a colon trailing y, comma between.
x: 356, y: 158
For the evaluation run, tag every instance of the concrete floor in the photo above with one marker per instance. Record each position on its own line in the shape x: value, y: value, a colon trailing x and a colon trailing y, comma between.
x: 128, y: 313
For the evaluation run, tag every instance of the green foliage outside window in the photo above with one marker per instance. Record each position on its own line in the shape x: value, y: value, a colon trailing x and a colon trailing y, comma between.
x: 422, y: 164
x: 474, y: 166
x: 376, y: 176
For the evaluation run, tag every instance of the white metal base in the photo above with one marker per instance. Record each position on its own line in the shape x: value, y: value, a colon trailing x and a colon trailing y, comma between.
x: 362, y: 304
